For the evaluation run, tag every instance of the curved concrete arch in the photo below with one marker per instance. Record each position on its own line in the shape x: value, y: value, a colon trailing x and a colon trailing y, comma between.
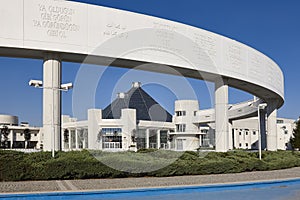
x: 68, y: 31
x: 235, y: 112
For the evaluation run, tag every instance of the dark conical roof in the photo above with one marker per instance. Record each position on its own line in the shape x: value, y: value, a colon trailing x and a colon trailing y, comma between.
x: 136, y: 98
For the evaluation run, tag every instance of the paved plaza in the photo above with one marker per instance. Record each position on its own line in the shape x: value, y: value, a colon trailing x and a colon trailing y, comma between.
x: 145, y: 182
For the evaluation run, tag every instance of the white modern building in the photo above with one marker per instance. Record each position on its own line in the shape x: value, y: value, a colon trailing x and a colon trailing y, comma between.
x: 16, y: 136
x: 134, y: 120
x: 245, y: 133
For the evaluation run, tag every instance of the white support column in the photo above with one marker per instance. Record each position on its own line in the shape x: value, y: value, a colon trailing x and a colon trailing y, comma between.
x: 168, y: 141
x: 221, y: 113
x: 200, y: 140
x: 52, y: 102
x: 76, y: 138
x: 147, y: 139
x: 94, y: 118
x: 272, y: 126
x: 158, y: 139
x: 11, y: 135
x: 84, y: 139
x: 230, y: 136
x: 70, y: 139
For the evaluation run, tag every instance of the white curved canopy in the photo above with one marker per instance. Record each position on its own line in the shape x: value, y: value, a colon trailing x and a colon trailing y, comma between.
x: 75, y: 30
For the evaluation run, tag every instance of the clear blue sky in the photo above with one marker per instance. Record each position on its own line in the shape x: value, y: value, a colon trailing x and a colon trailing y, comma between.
x: 270, y: 26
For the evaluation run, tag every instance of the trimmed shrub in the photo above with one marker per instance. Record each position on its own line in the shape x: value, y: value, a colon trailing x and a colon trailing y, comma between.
x: 17, y: 166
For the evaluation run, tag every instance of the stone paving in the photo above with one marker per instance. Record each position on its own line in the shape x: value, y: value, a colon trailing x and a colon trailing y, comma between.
x: 145, y: 182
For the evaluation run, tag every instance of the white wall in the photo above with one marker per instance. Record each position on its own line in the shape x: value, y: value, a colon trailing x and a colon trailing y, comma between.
x: 94, y: 119
x: 128, y: 118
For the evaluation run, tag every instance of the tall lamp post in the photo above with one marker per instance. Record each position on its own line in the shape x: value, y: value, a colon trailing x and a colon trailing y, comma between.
x: 63, y: 87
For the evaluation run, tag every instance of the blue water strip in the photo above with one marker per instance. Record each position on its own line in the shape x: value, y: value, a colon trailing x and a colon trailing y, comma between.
x: 153, y: 191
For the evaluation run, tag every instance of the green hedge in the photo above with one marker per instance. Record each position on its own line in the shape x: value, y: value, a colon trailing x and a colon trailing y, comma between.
x: 17, y: 166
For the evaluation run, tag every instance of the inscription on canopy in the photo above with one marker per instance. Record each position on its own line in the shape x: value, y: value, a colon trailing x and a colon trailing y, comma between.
x: 56, y: 21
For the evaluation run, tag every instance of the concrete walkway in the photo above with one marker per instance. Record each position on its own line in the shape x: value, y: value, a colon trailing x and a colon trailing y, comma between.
x: 146, y: 182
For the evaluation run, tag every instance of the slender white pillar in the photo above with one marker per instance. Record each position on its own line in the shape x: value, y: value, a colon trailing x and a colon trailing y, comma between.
x: 168, y: 141
x: 76, y: 138
x: 221, y: 112
x: 52, y: 102
x: 230, y: 136
x: 94, y: 118
x: 147, y: 139
x: 272, y: 126
x: 158, y: 139
x: 200, y: 140
x: 12, y: 138
x: 85, y: 139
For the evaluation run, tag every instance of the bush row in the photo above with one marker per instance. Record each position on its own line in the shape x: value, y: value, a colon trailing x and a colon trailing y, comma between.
x: 17, y: 166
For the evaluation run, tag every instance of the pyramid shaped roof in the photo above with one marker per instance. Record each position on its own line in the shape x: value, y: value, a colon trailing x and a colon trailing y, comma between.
x: 136, y: 98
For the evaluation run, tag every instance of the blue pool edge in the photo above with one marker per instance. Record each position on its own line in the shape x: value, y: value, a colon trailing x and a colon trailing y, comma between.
x: 203, y: 188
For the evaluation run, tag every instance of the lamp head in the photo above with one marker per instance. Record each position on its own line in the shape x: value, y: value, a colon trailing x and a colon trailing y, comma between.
x: 67, y: 86
x: 36, y: 83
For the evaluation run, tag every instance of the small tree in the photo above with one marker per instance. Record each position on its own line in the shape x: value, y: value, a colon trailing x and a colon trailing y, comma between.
x: 295, y: 140
x: 27, y: 137
x: 66, y: 135
x: 4, y: 137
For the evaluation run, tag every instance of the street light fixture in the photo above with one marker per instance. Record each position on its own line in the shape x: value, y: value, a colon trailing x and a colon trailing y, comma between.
x: 261, y: 106
x: 63, y: 87
x: 36, y: 83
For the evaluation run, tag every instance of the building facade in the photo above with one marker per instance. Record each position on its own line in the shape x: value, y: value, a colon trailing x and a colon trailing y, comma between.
x: 133, y: 121
x: 18, y: 136
x: 136, y: 121
x: 245, y: 133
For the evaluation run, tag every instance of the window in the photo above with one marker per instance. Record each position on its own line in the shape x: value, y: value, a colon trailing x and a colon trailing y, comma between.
x: 240, y: 144
x: 205, y: 131
x: 279, y: 121
x: 246, y: 132
x: 195, y: 113
x: 254, y: 132
x: 112, y: 142
x: 111, y: 131
x: 180, y: 113
x: 240, y: 133
x: 180, y: 127
x: 247, y: 145
x: 111, y: 138
x: 286, y: 132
